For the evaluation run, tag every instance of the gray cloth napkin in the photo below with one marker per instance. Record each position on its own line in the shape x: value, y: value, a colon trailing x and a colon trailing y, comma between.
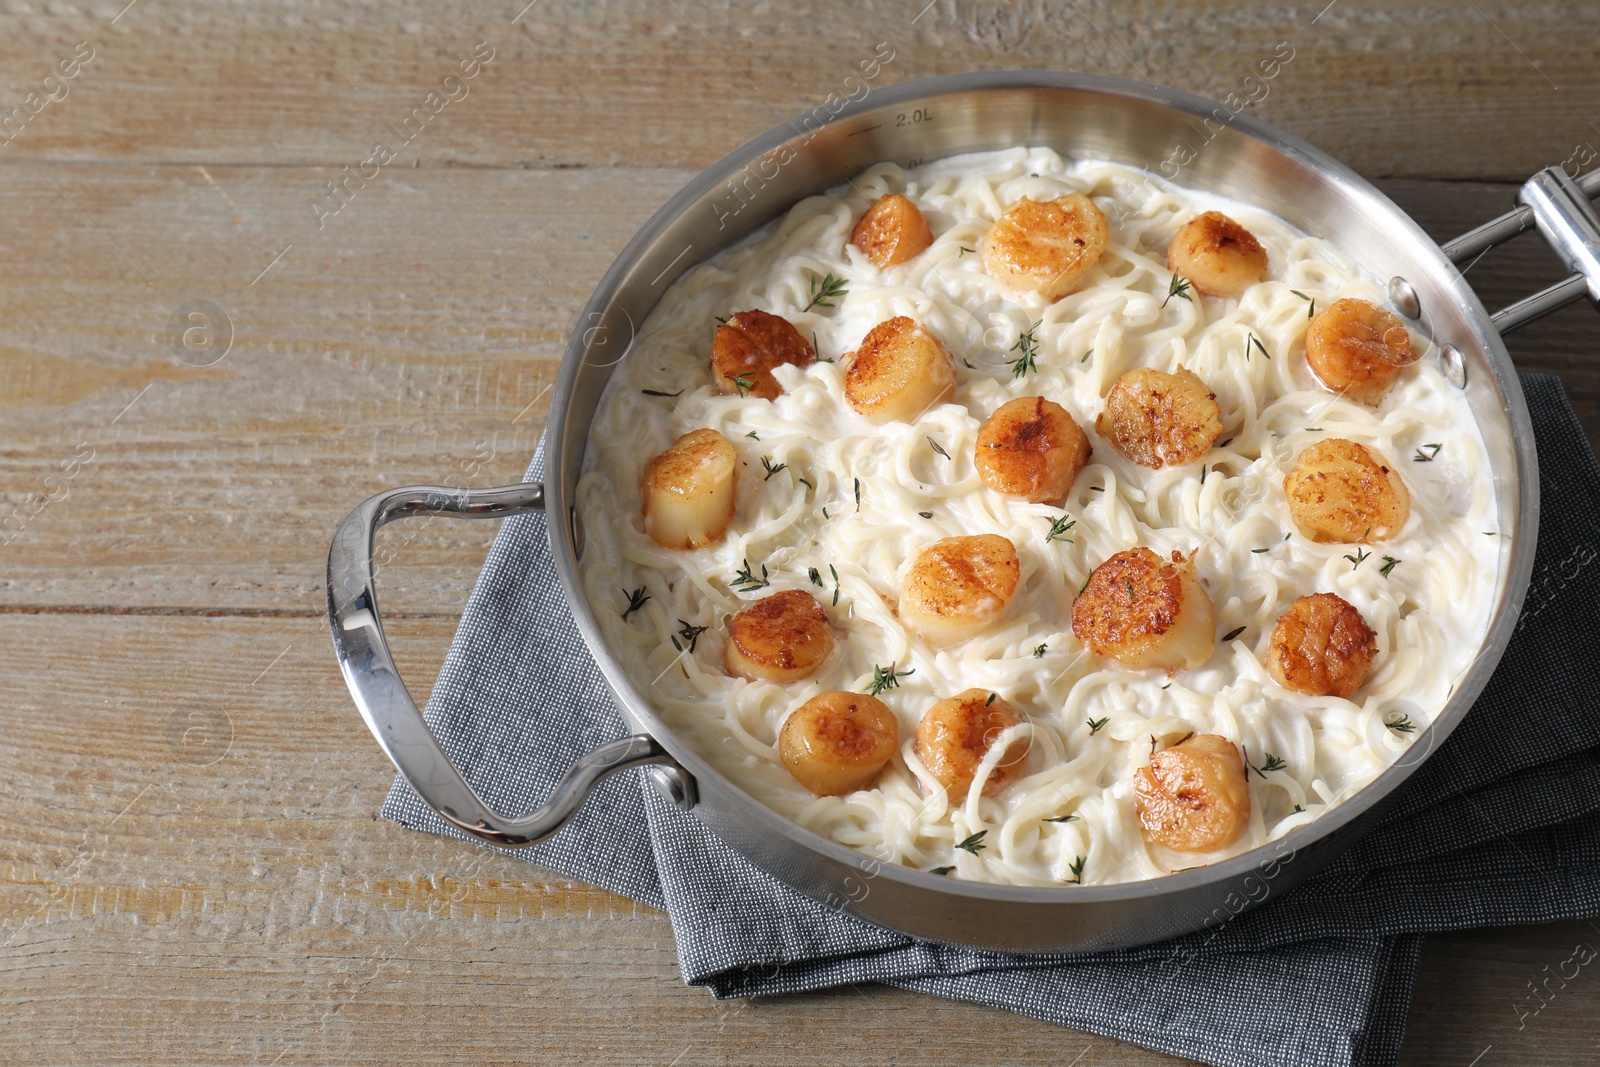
x: 1499, y: 826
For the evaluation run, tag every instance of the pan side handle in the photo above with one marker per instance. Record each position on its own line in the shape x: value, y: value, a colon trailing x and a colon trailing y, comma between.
x: 1558, y: 206
x: 393, y: 716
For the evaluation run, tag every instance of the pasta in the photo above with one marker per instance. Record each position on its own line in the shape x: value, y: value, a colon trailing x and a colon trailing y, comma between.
x: 835, y: 504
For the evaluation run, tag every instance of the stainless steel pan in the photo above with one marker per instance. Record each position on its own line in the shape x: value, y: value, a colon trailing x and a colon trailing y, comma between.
x: 1078, y: 115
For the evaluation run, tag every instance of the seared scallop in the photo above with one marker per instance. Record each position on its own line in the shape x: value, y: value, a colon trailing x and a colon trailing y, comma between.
x: 1031, y: 448
x: 956, y: 587
x: 1218, y: 256
x: 689, y: 491
x: 1322, y: 647
x: 1158, y: 419
x: 747, y: 347
x: 899, y: 371
x: 1145, y: 612
x: 1358, y: 349
x: 1341, y: 491
x: 892, y: 231
x: 955, y: 734
x: 1048, y: 247
x: 780, y: 638
x: 838, y: 742
x: 1194, y: 796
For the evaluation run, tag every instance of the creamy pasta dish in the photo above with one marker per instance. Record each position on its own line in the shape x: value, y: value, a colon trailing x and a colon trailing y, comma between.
x: 1034, y: 520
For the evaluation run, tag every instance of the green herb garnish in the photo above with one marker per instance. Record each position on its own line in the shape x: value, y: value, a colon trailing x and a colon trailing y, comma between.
x: 1231, y: 634
x: 771, y: 467
x: 1096, y: 725
x: 689, y: 633
x: 658, y: 392
x: 636, y: 600
x: 974, y: 844
x: 1059, y: 528
x: 745, y: 580
x: 887, y: 678
x: 1389, y: 564
x: 1431, y: 455
x: 823, y: 292
x: 1178, y: 287
x: 1028, y: 347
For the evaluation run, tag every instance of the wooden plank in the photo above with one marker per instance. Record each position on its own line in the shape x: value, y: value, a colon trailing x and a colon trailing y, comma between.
x: 1415, y: 90
x: 417, y: 344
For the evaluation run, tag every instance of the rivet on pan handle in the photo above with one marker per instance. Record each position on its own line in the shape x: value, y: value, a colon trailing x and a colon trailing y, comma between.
x: 386, y: 704
x: 1559, y: 206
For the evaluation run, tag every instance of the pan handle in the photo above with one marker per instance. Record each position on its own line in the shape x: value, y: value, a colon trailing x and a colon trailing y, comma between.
x: 1558, y: 205
x: 393, y: 717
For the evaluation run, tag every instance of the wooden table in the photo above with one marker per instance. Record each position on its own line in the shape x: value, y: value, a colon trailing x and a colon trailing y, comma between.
x: 191, y: 865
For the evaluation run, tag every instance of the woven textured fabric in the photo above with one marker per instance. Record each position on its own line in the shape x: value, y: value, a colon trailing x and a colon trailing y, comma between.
x: 1499, y: 826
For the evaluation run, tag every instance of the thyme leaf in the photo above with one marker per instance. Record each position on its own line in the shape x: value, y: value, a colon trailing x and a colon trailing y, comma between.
x: 940, y: 870
x: 690, y: 634
x: 1389, y: 564
x: 974, y: 844
x: 658, y: 392
x: 740, y: 382
x: 824, y: 292
x: 1063, y: 818
x: 1039, y: 650
x: 1028, y: 347
x: 1096, y: 725
x: 636, y: 600
x: 887, y: 678
x: 937, y: 447
x: 745, y: 581
x: 1077, y: 869
x: 1059, y: 528
x: 1178, y: 287
x: 1231, y: 634
x: 1273, y: 763
x: 771, y: 468
x: 1431, y: 455
x: 1403, y: 724
x: 858, y: 494
x: 815, y: 576
x: 1359, y: 558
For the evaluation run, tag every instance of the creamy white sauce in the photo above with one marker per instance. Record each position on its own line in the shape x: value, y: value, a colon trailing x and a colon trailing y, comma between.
x: 1430, y: 612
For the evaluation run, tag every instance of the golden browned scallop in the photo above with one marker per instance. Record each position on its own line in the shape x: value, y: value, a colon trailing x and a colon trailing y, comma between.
x: 1145, y: 612
x: 899, y: 371
x: 958, y: 586
x: 1358, y: 349
x: 1193, y: 797
x: 747, y: 347
x: 1158, y: 419
x: 1341, y: 491
x: 780, y: 638
x: 955, y: 734
x: 1046, y: 247
x: 689, y: 491
x: 836, y: 743
x: 1322, y: 647
x: 892, y: 231
x: 1218, y: 256
x: 1031, y: 448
